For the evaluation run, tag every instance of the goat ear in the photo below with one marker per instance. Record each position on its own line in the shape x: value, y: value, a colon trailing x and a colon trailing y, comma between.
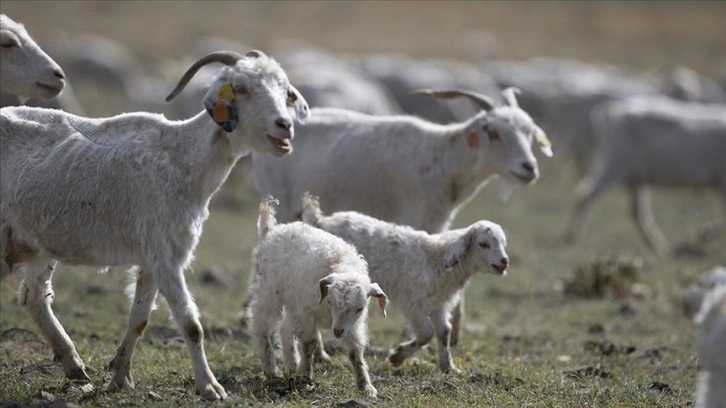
x: 544, y: 143
x: 324, y: 285
x: 376, y: 292
x: 9, y: 39
x: 220, y: 104
x: 475, y: 135
x: 299, y: 104
x: 456, y: 249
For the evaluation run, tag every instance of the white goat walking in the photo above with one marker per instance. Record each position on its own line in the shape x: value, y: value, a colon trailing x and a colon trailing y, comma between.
x: 422, y: 274
x: 310, y: 279
x: 654, y: 141
x: 133, y: 190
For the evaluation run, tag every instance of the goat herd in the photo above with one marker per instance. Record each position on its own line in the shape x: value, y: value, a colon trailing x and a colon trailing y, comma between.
x: 134, y: 189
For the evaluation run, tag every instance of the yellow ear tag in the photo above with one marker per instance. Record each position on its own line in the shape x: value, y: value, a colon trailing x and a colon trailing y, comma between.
x: 225, y: 92
x: 220, y: 112
x: 473, y: 139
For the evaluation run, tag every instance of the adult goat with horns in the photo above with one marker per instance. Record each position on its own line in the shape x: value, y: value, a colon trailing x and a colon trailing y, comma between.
x: 133, y: 189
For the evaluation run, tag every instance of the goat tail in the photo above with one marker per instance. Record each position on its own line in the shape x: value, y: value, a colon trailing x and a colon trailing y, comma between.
x: 311, y: 209
x: 266, y: 221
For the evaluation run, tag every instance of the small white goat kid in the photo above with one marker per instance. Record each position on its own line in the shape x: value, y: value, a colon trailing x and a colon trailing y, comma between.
x: 25, y: 69
x: 133, y: 190
x: 310, y: 279
x: 422, y: 273
x: 711, y: 387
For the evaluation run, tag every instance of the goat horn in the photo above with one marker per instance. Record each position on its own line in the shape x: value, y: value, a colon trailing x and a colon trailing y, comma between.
x: 225, y: 57
x: 510, y: 96
x: 255, y: 54
x: 484, y: 101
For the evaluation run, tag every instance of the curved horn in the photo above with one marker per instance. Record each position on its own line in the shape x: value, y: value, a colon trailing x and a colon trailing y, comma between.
x: 255, y: 54
x: 484, y: 101
x: 225, y: 57
x: 510, y: 95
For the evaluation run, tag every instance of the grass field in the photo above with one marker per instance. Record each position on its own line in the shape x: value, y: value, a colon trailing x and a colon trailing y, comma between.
x: 537, y: 337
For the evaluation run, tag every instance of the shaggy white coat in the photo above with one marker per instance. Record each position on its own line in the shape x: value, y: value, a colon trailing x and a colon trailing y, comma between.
x: 421, y: 273
x: 309, y: 279
x: 127, y: 190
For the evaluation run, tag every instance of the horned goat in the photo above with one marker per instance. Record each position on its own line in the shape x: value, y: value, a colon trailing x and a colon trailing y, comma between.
x: 133, y: 189
x: 315, y: 280
x: 423, y: 274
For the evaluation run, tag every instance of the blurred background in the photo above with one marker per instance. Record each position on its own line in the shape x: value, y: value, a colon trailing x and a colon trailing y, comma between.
x: 566, y: 56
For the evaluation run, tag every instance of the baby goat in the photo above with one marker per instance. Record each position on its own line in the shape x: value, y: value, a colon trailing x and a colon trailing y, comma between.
x: 310, y: 279
x: 422, y: 273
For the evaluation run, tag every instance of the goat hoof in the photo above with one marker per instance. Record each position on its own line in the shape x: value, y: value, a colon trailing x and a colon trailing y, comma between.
x: 117, y: 384
x: 395, y: 359
x: 322, y: 356
x: 370, y: 391
x: 450, y: 370
x: 78, y: 374
x: 212, y: 391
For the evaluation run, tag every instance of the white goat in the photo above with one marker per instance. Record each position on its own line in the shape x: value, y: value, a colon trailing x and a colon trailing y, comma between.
x: 401, y: 168
x: 654, y: 141
x: 315, y: 279
x: 25, y: 69
x: 711, y: 387
x: 133, y: 190
x: 422, y: 274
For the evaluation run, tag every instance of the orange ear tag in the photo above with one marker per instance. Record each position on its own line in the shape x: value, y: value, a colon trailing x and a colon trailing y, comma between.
x: 220, y: 112
x: 473, y: 139
x: 382, y: 305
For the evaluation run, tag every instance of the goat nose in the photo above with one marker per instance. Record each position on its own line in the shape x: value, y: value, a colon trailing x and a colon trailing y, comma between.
x: 504, y: 261
x: 283, y: 123
x: 338, y: 332
x: 59, y: 73
x: 528, y: 166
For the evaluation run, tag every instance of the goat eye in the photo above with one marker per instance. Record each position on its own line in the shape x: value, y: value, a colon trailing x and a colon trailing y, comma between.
x: 359, y: 310
x: 240, y: 89
x: 493, y: 134
x: 485, y: 245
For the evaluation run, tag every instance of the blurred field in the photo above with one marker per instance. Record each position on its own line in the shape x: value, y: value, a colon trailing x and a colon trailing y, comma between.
x: 527, y: 343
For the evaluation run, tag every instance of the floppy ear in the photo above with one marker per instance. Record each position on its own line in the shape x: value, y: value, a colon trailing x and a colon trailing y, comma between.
x: 324, y: 285
x: 376, y: 292
x: 456, y: 249
x: 220, y: 104
x: 544, y: 143
x: 296, y: 100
